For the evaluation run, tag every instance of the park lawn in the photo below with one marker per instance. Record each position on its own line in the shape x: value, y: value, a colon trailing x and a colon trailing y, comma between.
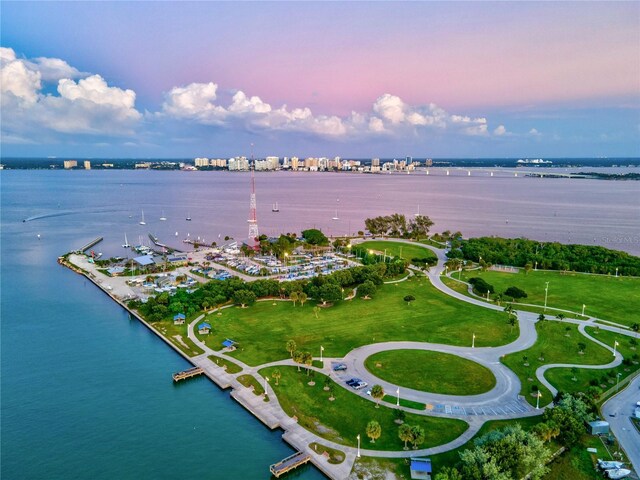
x: 263, y: 329
x: 250, y: 382
x: 562, y: 378
x: 605, y: 297
x: 433, y: 372
x: 343, y: 419
x: 399, y: 249
x: 231, y: 367
x: 170, y: 331
x: 452, y: 457
x: 557, y: 348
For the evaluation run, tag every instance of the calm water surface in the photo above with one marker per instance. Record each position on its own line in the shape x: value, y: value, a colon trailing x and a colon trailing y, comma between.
x: 87, y: 393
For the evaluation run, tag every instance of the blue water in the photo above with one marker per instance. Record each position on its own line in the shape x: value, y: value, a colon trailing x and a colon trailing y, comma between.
x: 87, y: 392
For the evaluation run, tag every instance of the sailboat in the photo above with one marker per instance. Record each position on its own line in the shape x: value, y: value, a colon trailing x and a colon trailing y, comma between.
x: 142, y: 222
x: 126, y: 243
x: 176, y: 234
x: 336, y: 216
x: 188, y: 217
x: 163, y: 218
x: 417, y: 214
x: 275, y: 208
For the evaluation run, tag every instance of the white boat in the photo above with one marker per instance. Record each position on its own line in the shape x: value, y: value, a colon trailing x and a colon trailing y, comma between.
x: 274, y: 207
x: 142, y: 222
x: 615, y: 473
x: 336, y: 216
x: 163, y: 218
x: 38, y: 236
x: 605, y: 465
x: 188, y: 217
x: 126, y: 243
x: 176, y: 234
x: 417, y: 214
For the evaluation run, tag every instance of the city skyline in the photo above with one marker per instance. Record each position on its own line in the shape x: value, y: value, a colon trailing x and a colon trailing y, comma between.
x: 349, y: 79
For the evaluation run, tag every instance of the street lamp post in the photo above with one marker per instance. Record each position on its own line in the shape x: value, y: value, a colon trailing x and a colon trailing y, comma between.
x: 321, y: 350
x: 616, y: 272
x: 473, y: 341
x: 583, y: 305
x: 358, y: 446
x: 398, y: 397
x: 459, y: 273
x: 618, y: 380
x: 536, y: 267
x: 538, y: 400
x: 615, y: 344
x: 546, y: 291
x: 266, y: 380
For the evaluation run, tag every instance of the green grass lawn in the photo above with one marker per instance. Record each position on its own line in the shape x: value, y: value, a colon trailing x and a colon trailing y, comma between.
x: 231, y: 366
x: 263, y: 329
x: 399, y: 249
x: 555, y: 347
x: 343, y: 419
x: 433, y: 372
x: 172, y: 332
x: 404, y: 402
x: 563, y: 378
x: 608, y: 298
x: 250, y: 381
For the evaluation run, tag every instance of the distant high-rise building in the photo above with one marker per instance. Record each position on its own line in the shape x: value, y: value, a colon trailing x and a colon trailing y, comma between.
x: 87, y: 165
x: 295, y: 163
x: 408, y: 160
x: 202, y: 162
x: 70, y: 164
x: 375, y: 162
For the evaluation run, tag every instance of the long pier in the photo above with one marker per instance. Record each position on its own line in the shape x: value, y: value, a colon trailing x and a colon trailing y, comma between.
x: 289, y: 463
x: 93, y: 242
x: 192, y: 372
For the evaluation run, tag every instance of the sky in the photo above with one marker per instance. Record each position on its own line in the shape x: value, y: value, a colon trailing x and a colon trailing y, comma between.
x: 352, y: 79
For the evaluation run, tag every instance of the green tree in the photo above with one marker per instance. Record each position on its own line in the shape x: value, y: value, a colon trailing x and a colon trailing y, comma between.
x: 298, y: 358
x: 574, y: 372
x: 581, y: 347
x: 561, y: 316
x: 329, y: 292
x: 635, y: 327
x: 302, y: 297
x: 314, y: 236
x: 374, y: 430
x: 377, y: 393
x: 367, y: 289
x: 291, y: 347
x: 512, y: 321
x: 405, y: 434
x: 409, y: 299
x: 276, y: 374
x: 417, y: 436
x: 293, y: 296
x: 307, y: 359
x: 244, y: 297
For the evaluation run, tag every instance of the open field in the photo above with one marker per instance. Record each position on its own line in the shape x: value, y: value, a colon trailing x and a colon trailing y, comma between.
x: 172, y: 332
x: 343, y: 419
x: 263, y: 329
x: 399, y: 249
x: 554, y: 346
x: 433, y: 372
x: 562, y: 378
x: 605, y: 297
x: 231, y: 367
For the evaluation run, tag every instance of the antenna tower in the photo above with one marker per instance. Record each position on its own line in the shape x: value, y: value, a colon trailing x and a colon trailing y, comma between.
x: 253, y: 218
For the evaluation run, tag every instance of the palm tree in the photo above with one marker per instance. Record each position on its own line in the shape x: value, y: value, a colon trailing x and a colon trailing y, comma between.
x: 512, y: 321
x: 302, y: 297
x: 405, y: 434
x: 373, y: 430
x: 560, y: 316
x: 417, y: 436
x: 574, y: 371
x: 498, y: 298
x: 307, y: 359
x: 377, y: 393
x: 581, y: 347
x: 293, y: 296
x: 298, y: 357
x: 276, y: 374
x: 316, y: 311
x: 635, y: 327
x: 291, y: 347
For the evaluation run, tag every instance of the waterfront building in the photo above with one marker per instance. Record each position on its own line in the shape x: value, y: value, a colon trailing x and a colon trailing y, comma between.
x: 295, y: 163
x: 87, y: 165
x: 70, y: 164
x: 202, y: 162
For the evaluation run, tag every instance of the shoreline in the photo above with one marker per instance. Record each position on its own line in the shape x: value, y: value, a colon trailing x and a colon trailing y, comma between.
x: 224, y: 384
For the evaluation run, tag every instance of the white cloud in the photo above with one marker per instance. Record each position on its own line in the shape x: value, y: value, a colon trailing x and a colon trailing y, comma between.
x: 88, y: 106
x: 534, y: 133
x: 499, y: 131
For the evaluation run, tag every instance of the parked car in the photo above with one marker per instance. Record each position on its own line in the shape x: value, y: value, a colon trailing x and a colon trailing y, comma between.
x: 340, y: 367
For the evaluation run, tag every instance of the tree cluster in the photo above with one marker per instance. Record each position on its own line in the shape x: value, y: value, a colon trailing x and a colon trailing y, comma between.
x: 548, y: 255
x: 480, y: 286
x: 396, y: 225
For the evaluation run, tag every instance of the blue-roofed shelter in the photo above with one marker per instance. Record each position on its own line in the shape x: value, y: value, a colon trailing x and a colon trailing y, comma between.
x: 179, y: 319
x: 228, y: 343
x: 421, y: 468
x: 204, y: 328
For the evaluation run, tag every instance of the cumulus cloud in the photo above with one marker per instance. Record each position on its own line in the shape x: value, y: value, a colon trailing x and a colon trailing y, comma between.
x: 534, y: 133
x: 88, y: 106
x: 499, y: 131
x: 389, y: 115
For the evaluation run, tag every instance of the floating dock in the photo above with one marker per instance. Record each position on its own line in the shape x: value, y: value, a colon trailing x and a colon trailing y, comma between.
x: 192, y: 372
x: 289, y: 463
x: 93, y: 242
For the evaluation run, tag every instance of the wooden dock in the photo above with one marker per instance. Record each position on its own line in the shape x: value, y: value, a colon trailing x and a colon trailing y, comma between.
x: 192, y: 372
x: 289, y: 463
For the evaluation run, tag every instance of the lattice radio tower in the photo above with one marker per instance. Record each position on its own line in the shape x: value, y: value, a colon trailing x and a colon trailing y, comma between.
x: 253, y: 217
